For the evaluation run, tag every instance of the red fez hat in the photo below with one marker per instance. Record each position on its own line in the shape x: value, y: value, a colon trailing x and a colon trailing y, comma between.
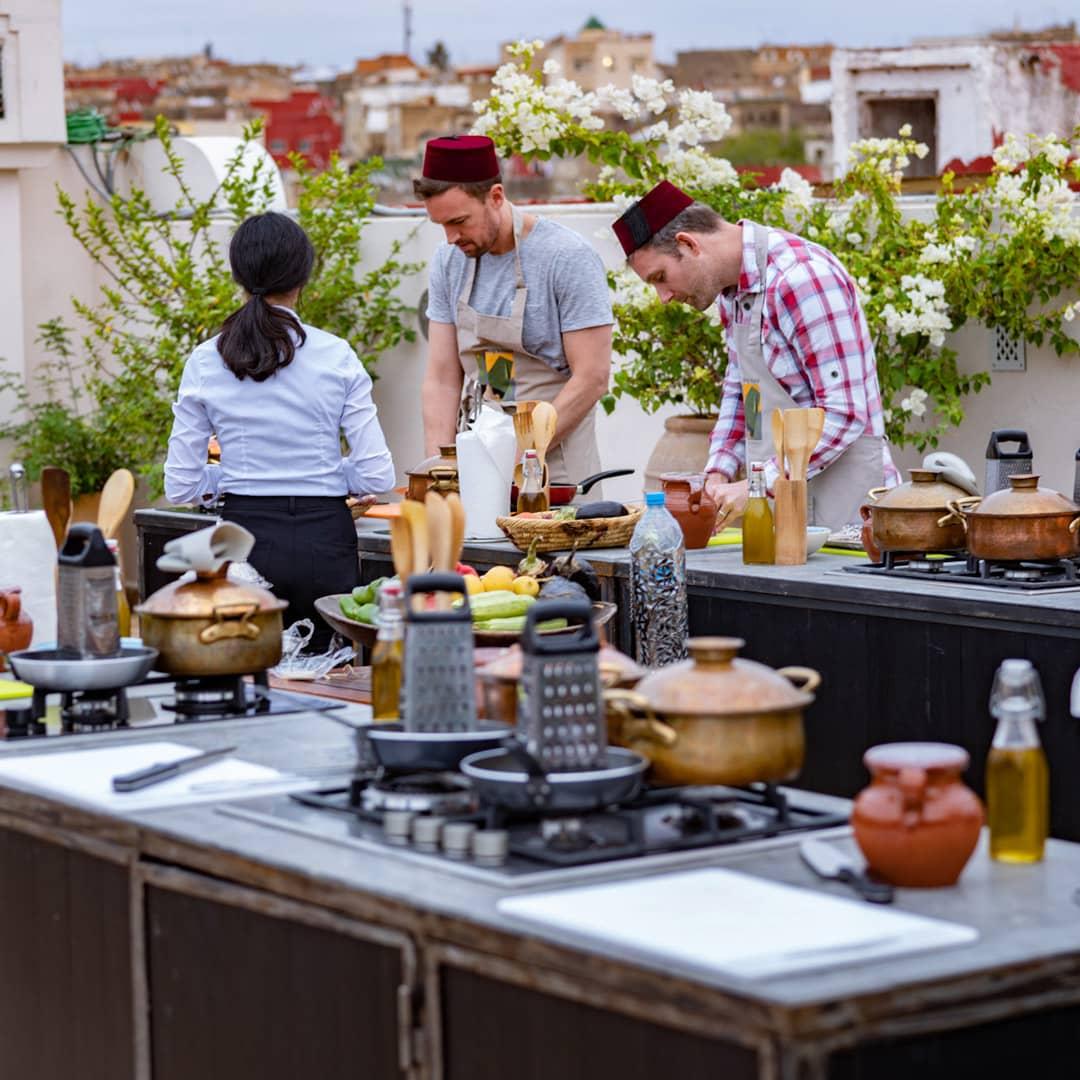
x: 649, y: 215
x: 461, y: 159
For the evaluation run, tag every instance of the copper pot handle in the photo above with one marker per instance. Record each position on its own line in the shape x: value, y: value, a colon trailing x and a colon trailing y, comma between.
x: 1074, y: 524
x: 802, y: 678
x: 875, y: 493
x: 631, y: 727
x: 957, y: 509
x: 231, y: 621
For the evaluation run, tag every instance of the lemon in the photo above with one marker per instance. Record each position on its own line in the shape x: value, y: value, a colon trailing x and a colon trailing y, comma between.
x: 526, y: 586
x: 473, y: 584
x: 498, y: 577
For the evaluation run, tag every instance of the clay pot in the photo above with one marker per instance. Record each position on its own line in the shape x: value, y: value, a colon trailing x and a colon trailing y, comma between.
x: 917, y: 823
x: 684, y: 447
x: 691, y: 506
x: 16, y: 627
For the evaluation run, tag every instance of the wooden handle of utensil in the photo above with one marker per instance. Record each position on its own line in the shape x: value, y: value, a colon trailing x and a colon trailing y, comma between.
x: 790, y: 514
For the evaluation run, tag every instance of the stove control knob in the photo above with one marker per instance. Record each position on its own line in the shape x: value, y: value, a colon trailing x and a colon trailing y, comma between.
x: 426, y: 831
x: 396, y: 826
x: 457, y: 838
x: 490, y: 847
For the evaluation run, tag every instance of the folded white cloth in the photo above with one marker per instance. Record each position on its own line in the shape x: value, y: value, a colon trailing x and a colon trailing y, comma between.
x: 28, y: 559
x: 207, y: 550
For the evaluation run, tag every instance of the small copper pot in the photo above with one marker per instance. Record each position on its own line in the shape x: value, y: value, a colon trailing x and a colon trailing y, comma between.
x: 913, y: 518
x: 1022, y: 522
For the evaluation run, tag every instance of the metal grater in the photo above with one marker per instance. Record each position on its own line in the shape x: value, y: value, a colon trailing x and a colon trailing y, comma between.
x: 1001, y: 464
x: 439, y: 692
x: 560, y: 711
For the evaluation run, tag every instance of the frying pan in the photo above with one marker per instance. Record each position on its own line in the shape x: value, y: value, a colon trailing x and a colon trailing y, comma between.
x: 561, y: 494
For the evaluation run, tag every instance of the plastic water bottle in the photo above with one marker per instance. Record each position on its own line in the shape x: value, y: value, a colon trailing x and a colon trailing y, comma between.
x: 658, y: 585
x: 1017, y: 782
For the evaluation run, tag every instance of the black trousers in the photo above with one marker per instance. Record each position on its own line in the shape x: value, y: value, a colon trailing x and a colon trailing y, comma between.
x: 305, y: 546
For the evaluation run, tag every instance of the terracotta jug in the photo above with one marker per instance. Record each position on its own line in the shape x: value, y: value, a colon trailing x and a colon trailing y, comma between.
x: 16, y: 627
x: 690, y: 505
x: 917, y: 823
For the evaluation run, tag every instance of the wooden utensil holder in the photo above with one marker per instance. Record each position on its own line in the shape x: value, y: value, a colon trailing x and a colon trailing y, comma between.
x: 790, y: 517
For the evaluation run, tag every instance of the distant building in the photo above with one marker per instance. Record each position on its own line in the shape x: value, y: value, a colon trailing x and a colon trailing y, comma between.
x: 598, y: 56
x: 960, y: 98
x: 302, y: 124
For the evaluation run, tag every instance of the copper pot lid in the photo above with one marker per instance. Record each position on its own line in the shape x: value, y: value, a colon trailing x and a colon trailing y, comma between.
x: 927, y: 756
x: 616, y: 668
x: 715, y: 682
x: 444, y: 462
x: 924, y: 491
x: 198, y: 598
x: 1024, y: 498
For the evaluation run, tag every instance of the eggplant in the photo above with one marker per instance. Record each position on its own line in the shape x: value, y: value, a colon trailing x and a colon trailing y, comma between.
x: 560, y: 588
x: 603, y: 509
x: 579, y: 572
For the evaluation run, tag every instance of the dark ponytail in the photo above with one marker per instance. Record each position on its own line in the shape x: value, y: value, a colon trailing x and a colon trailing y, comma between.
x: 270, y: 255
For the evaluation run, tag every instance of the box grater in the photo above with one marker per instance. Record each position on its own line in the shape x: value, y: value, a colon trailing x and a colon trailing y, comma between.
x: 439, y: 692
x: 1001, y: 464
x: 560, y: 712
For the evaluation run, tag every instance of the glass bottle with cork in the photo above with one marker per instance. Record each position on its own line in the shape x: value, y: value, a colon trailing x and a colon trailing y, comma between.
x: 388, y: 655
x: 1017, y: 778
x: 759, y: 539
x: 533, y: 497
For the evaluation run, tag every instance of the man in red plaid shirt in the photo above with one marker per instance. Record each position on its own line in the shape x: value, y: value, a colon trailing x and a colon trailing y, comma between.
x: 796, y: 335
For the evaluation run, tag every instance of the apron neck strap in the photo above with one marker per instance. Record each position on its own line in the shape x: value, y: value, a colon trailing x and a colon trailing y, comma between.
x: 761, y: 251
x: 518, y: 219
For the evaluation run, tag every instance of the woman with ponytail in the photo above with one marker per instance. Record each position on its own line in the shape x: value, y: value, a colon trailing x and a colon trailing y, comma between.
x: 279, y: 395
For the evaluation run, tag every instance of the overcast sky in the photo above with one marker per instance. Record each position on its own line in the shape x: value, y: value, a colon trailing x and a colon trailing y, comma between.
x: 336, y: 32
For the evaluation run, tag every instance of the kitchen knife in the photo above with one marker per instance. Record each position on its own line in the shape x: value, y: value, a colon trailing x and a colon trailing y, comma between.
x: 831, y: 863
x: 166, y: 770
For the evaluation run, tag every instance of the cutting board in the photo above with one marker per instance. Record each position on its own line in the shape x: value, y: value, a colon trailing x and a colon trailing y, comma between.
x: 733, y: 923
x: 353, y: 685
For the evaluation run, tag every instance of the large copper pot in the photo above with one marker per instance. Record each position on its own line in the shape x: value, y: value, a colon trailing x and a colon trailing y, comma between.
x: 212, y: 626
x: 912, y: 517
x: 715, y: 719
x: 439, y: 473
x: 1021, y: 522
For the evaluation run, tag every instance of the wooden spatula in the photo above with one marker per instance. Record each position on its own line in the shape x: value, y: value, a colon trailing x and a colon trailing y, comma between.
x: 796, y: 441
x: 438, y: 523
x: 523, y: 431
x: 544, y: 420
x: 116, y: 498
x: 778, y: 440
x: 56, y: 500
x: 815, y: 424
x: 415, y: 513
x: 457, y: 527
x: 401, y: 548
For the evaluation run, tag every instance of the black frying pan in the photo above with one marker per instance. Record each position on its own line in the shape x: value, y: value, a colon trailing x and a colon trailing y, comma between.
x: 561, y: 494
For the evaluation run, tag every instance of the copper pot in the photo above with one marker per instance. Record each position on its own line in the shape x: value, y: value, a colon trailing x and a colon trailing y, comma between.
x: 439, y: 473
x: 212, y: 626
x: 1021, y: 522
x: 912, y: 517
x: 715, y: 719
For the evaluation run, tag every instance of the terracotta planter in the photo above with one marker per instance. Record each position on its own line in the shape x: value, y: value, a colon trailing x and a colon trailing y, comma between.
x: 683, y: 448
x: 917, y: 823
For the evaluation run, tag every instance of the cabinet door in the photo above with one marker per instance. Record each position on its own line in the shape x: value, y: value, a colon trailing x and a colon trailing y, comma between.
x: 243, y: 984
x: 65, y: 962
x: 491, y: 1029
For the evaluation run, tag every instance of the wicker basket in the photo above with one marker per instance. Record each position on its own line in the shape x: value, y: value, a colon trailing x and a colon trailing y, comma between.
x: 563, y: 535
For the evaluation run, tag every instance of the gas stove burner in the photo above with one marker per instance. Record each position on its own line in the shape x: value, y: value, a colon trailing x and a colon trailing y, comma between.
x: 446, y: 793
x: 566, y: 834
x: 93, y: 710
x: 928, y: 566
x: 1029, y: 576
x: 1024, y: 574
x: 219, y: 695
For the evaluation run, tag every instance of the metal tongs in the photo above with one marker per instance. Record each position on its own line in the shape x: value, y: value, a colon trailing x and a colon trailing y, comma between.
x: 20, y: 503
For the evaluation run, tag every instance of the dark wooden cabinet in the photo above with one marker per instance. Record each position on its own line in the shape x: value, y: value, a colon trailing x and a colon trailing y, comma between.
x: 65, y: 962
x: 243, y: 984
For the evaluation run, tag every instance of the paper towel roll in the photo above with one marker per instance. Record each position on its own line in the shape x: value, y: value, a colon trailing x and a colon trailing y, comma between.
x: 485, y: 457
x: 28, y: 559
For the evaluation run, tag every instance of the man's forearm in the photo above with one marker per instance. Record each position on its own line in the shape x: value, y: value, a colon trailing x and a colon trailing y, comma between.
x: 575, y: 401
x: 439, y: 400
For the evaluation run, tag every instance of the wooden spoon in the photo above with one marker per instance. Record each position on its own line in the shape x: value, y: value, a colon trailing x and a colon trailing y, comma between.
x: 56, y: 500
x: 415, y: 513
x: 778, y: 440
x: 796, y: 441
x: 116, y: 498
x: 457, y: 527
x: 401, y: 548
x: 439, y: 539
x: 544, y: 421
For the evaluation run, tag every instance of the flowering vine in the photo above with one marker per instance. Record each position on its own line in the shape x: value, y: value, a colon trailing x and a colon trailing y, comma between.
x: 1005, y: 252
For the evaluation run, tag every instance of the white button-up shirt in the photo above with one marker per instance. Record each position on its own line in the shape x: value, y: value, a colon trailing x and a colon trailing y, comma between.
x: 280, y: 436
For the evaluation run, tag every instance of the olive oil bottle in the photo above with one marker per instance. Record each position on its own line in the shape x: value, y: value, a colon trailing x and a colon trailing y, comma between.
x: 1017, y: 777
x: 532, y: 498
x: 388, y: 655
x: 758, y: 537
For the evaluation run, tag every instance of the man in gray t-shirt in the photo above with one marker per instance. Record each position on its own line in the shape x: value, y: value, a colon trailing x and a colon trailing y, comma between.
x: 554, y: 333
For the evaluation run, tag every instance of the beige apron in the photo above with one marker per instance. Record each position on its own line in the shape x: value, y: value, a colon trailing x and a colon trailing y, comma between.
x: 839, y: 489
x: 480, y: 338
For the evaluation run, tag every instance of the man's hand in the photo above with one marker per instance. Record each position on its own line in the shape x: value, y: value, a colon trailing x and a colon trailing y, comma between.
x: 730, y: 498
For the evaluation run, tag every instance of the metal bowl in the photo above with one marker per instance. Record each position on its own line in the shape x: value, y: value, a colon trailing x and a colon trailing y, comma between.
x: 498, y: 778
x: 357, y: 632
x: 53, y: 670
x: 412, y: 751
